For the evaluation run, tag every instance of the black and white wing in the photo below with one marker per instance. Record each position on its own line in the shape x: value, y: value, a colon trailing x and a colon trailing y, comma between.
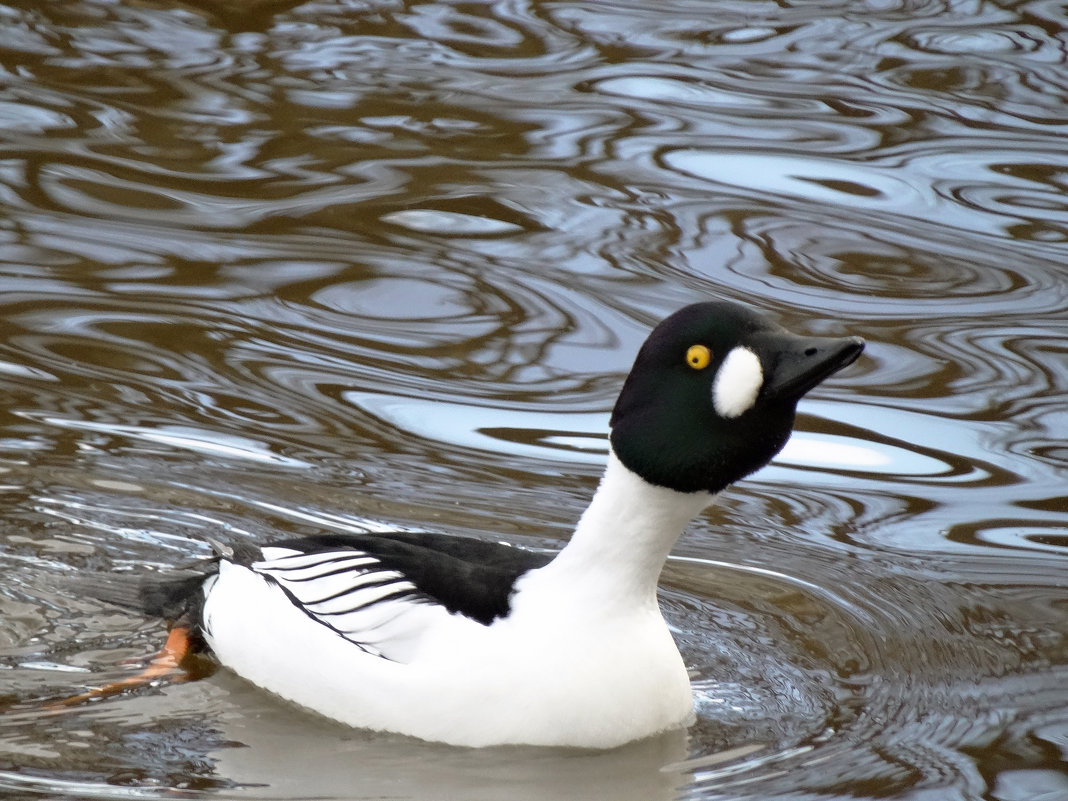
x: 382, y: 593
x: 351, y: 593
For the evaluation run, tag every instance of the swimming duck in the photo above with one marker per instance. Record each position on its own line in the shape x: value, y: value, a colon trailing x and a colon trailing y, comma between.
x: 478, y: 643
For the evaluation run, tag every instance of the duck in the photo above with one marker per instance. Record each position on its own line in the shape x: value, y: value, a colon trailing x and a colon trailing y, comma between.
x: 476, y: 643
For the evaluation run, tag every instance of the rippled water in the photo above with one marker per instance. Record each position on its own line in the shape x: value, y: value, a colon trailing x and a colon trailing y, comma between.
x: 280, y: 267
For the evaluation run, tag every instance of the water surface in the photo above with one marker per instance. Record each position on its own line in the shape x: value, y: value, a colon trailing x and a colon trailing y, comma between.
x: 282, y: 267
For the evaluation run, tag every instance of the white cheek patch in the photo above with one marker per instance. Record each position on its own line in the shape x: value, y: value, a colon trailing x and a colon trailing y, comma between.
x: 737, y: 383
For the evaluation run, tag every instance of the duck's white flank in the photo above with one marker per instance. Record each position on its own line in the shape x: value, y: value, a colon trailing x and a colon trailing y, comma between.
x: 583, y: 659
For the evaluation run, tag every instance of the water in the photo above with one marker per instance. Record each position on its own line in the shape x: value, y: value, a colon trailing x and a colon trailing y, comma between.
x: 274, y: 268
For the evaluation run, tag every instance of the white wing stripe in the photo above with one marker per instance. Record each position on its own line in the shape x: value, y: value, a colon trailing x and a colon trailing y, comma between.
x: 375, y: 608
x: 355, y: 584
x: 336, y: 585
x: 288, y: 557
x: 361, y: 599
x: 326, y: 570
x: 359, y: 625
x: 324, y: 567
x: 309, y: 562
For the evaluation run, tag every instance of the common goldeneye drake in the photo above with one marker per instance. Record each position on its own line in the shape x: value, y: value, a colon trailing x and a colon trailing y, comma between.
x: 479, y: 643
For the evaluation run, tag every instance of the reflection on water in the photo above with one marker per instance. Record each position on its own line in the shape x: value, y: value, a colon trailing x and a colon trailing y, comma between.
x: 280, y: 267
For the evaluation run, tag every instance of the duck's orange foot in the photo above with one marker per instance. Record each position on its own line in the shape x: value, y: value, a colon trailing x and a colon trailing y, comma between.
x: 173, y: 662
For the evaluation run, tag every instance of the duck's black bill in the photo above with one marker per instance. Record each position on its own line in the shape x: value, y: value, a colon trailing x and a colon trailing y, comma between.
x: 803, y: 362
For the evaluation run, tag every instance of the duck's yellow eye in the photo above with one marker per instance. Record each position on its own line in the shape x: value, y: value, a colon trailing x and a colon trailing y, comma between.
x: 698, y: 357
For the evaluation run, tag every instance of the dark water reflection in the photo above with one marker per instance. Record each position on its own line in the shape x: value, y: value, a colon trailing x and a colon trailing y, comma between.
x: 282, y: 267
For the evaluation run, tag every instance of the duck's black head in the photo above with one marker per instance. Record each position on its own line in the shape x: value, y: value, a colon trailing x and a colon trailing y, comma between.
x: 712, y: 395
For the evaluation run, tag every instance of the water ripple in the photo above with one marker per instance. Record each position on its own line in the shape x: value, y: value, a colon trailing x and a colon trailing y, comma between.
x: 274, y: 268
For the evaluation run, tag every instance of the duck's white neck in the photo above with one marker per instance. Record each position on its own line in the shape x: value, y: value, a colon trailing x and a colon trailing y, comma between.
x: 624, y: 537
